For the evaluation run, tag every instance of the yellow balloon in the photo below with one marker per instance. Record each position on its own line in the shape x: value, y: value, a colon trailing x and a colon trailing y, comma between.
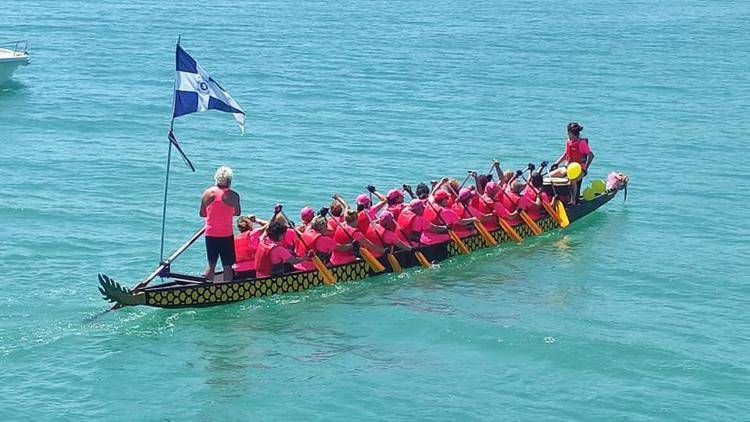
x: 574, y: 171
x: 598, y: 186
x: 588, y: 194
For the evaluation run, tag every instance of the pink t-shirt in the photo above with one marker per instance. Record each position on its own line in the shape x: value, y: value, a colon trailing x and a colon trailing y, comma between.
x: 324, y: 245
x: 345, y: 257
x: 490, y: 225
x: 252, y: 239
x: 279, y: 255
x: 449, y: 218
x: 390, y: 238
x: 527, y: 202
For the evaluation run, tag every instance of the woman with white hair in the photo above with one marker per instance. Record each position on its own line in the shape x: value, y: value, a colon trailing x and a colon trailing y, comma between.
x: 219, y: 206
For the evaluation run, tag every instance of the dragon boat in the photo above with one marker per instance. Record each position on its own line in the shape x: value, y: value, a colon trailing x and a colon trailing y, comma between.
x: 187, y: 291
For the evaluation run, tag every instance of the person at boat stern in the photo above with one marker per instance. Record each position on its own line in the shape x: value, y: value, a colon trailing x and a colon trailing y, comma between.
x: 219, y: 205
x: 577, y: 150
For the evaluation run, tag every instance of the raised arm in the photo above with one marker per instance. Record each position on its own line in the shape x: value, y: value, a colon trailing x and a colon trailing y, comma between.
x: 406, y: 188
x: 372, y: 190
x: 498, y: 170
x: 343, y: 203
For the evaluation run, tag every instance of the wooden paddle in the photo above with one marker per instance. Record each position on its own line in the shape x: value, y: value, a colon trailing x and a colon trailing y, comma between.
x: 420, y: 256
x: 324, y: 273
x: 369, y: 258
x: 507, y: 228
x: 546, y: 205
x: 532, y: 225
x: 464, y: 182
x: 557, y: 204
x: 395, y: 265
x: 454, y: 237
x: 488, y: 239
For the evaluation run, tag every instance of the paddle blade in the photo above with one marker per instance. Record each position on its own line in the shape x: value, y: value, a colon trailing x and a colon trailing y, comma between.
x: 395, y: 265
x: 488, y: 239
x: 459, y: 243
x: 422, y: 259
x: 531, y: 223
x: 563, y: 215
x: 552, y: 213
x: 372, y: 262
x: 510, y: 231
x: 323, y: 272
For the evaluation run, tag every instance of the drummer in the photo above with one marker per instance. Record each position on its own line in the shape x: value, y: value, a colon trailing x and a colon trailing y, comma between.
x: 577, y: 150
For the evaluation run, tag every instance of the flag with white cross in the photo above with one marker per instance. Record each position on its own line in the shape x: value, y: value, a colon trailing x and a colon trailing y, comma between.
x: 196, y: 91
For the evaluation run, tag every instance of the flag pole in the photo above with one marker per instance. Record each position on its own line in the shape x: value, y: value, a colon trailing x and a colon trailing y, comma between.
x: 164, y: 204
x: 166, y: 177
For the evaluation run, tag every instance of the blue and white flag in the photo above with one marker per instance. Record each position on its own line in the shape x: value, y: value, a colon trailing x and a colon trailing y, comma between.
x: 196, y: 91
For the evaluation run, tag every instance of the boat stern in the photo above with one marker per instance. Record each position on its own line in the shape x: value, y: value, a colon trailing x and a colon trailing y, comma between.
x: 114, y: 292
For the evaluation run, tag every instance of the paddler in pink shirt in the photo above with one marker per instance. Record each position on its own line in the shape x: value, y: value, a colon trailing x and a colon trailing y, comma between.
x: 219, y: 206
x: 444, y: 218
x: 493, y: 200
x: 306, y: 215
x: 385, y: 236
x: 464, y: 208
x: 395, y: 201
x: 365, y: 206
x: 412, y: 222
x: 531, y: 200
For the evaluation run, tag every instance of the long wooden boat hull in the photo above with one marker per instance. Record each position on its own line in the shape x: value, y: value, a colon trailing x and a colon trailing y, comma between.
x: 185, y: 291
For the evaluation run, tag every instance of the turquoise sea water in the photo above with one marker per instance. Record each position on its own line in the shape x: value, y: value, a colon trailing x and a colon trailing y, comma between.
x: 638, y: 312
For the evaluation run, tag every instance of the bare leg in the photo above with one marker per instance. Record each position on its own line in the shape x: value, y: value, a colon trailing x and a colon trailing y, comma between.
x: 209, y: 272
x: 558, y: 172
x: 574, y: 191
x: 228, y: 274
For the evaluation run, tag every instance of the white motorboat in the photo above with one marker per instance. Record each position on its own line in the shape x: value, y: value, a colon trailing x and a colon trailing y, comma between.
x: 12, y: 55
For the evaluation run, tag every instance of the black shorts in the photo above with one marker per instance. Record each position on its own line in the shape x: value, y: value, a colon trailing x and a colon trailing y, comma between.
x: 220, y: 247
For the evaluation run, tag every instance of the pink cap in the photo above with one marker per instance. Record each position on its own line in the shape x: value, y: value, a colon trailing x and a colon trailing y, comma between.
x: 416, y: 205
x: 307, y: 214
x: 465, y: 194
x: 364, y: 200
x: 441, y: 195
x: 387, y: 220
x: 490, y: 188
x: 394, y: 194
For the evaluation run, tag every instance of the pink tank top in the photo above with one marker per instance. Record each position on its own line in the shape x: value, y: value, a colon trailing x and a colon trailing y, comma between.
x: 219, y: 216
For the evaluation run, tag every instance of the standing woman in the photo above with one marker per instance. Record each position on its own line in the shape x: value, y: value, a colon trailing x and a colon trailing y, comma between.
x: 577, y: 150
x: 219, y: 206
